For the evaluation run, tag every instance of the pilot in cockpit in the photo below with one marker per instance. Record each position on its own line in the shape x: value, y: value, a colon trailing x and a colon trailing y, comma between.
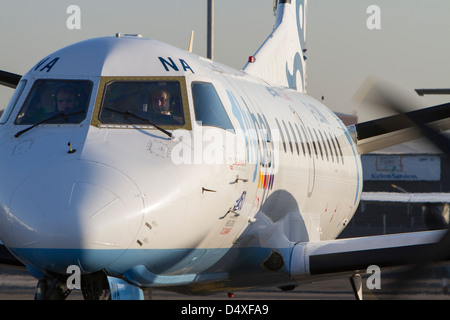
x: 55, y: 101
x: 161, y: 108
x: 65, y: 99
x: 161, y: 102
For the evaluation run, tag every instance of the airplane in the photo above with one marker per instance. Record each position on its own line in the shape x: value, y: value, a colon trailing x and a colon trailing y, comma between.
x: 147, y: 166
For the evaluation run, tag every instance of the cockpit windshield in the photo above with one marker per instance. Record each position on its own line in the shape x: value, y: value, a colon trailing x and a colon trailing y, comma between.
x: 56, y: 102
x: 142, y: 103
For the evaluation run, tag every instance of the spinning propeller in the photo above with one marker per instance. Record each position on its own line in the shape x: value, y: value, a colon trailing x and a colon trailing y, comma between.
x: 384, y: 95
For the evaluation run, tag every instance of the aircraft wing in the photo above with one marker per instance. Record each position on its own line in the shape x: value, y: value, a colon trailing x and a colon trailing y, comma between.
x: 9, y: 79
x: 413, y: 198
x: 353, y: 254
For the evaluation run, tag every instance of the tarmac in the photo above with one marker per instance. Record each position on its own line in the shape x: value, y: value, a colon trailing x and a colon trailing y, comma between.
x: 17, y: 284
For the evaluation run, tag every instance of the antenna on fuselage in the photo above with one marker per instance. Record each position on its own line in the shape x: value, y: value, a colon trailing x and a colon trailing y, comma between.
x: 210, y: 30
x: 191, y: 41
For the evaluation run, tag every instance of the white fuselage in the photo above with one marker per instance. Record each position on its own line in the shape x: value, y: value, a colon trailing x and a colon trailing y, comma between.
x: 134, y: 202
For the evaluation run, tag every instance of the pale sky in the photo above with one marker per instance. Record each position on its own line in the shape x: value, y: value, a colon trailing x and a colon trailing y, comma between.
x: 412, y: 48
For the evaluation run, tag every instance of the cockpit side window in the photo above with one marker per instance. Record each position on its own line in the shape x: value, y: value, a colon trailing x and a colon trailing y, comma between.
x: 142, y: 102
x: 12, y: 103
x: 56, y: 102
x: 209, y: 110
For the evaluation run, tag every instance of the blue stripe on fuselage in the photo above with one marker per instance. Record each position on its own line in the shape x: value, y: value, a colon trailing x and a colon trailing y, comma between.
x: 162, y: 267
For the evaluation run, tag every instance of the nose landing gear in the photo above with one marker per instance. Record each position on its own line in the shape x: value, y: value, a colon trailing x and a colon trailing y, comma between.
x: 94, y: 286
x: 51, y: 288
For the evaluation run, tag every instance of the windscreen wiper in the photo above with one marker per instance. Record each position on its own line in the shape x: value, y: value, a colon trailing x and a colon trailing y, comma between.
x: 149, y: 122
x: 56, y: 116
x: 129, y: 113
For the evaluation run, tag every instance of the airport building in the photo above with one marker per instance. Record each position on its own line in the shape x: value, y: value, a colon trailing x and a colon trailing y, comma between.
x: 413, y: 167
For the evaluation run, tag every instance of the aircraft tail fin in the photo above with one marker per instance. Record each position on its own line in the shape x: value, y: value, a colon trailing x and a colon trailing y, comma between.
x: 280, y: 60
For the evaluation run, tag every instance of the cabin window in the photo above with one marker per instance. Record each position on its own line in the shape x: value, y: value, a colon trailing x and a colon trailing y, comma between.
x: 324, y: 144
x: 305, y: 135
x: 314, y: 143
x: 295, y: 138
x: 56, y: 102
x: 329, y: 146
x: 301, y: 139
x: 209, y: 110
x: 145, y: 103
x: 281, y: 134
x: 340, y: 150
x: 318, y: 143
x: 288, y: 136
x: 334, y: 147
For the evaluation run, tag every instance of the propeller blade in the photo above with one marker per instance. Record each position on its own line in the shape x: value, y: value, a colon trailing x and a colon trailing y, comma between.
x: 9, y: 79
x: 396, y: 101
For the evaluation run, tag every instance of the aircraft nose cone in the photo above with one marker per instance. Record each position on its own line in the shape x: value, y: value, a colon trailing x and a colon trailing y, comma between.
x: 77, y: 212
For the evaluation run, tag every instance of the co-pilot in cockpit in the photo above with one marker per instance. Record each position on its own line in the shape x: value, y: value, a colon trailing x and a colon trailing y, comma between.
x: 56, y: 101
x: 142, y: 103
x: 162, y: 109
